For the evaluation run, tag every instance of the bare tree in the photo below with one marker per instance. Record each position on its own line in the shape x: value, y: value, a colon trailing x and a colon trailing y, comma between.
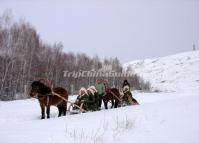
x: 24, y: 58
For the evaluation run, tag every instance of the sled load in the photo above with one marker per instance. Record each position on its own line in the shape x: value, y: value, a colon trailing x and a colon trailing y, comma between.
x: 86, y: 100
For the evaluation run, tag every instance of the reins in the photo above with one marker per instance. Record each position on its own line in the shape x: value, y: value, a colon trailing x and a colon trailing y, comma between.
x: 115, y: 96
x: 58, y: 95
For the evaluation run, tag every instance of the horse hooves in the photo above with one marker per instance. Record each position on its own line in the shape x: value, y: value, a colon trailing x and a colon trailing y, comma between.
x: 42, y: 117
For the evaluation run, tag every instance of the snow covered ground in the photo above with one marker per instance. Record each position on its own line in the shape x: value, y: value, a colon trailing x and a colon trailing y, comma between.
x: 162, y: 117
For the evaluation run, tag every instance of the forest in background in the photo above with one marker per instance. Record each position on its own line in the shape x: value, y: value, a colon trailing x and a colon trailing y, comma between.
x: 24, y: 57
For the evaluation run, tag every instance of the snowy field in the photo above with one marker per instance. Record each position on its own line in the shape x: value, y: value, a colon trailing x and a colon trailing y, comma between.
x: 161, y: 117
x: 168, y: 116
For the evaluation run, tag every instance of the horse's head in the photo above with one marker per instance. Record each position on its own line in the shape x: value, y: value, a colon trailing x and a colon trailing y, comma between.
x: 38, y: 87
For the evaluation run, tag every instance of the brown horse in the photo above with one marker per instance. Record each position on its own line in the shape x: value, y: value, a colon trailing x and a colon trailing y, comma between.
x: 47, y: 98
x: 113, y: 95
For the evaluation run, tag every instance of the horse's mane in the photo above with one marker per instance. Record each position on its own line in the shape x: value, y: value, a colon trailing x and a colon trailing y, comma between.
x: 43, y: 89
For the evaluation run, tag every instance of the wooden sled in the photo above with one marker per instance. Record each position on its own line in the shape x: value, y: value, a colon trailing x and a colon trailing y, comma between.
x: 75, y: 109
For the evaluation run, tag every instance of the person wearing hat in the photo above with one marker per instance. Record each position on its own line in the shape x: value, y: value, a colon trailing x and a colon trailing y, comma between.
x: 86, y: 97
x: 91, y: 101
x: 126, y: 91
x: 128, y: 97
x: 81, y: 97
x: 94, y: 91
x: 100, y: 91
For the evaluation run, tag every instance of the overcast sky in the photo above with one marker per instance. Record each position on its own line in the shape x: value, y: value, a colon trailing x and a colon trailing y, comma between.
x: 128, y: 29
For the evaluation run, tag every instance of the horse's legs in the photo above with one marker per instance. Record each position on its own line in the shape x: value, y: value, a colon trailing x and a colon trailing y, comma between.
x: 64, y: 108
x: 116, y: 103
x: 100, y: 102
x: 48, y: 111
x: 60, y: 110
x: 112, y: 102
x: 106, y: 104
x: 42, y: 111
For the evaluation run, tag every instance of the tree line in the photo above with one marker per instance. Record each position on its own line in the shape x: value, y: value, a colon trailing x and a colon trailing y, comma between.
x: 24, y: 57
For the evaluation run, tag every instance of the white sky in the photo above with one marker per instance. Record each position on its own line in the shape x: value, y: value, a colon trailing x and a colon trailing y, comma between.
x: 128, y: 29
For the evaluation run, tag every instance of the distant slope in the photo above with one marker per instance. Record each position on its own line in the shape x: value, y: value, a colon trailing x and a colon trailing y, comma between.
x: 178, y: 72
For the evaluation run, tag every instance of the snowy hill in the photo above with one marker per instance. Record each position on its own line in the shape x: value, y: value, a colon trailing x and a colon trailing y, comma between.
x: 160, y: 118
x: 178, y: 72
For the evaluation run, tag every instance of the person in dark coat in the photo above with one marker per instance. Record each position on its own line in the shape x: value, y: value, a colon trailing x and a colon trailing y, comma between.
x: 126, y: 85
x: 128, y: 97
x: 88, y: 101
x: 126, y: 91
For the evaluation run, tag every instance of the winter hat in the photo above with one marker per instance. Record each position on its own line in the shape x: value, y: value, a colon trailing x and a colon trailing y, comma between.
x: 83, y: 91
x: 90, y: 90
x: 93, y: 88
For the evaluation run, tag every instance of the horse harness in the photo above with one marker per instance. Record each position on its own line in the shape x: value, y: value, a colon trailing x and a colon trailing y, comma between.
x: 41, y: 97
x: 115, y: 96
x: 44, y: 96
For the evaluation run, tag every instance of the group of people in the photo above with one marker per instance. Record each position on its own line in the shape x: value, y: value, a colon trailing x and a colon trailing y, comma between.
x: 91, y: 98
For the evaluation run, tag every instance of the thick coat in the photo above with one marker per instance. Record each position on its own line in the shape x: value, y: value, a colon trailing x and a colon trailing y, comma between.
x: 88, y: 101
x: 100, y: 88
